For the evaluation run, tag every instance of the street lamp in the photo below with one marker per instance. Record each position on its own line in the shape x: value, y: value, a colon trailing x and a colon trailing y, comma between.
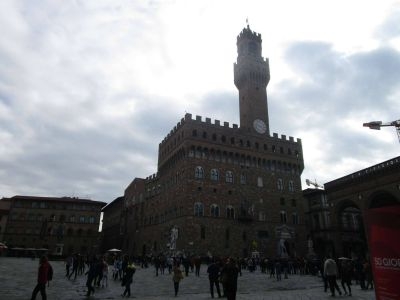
x: 376, y: 125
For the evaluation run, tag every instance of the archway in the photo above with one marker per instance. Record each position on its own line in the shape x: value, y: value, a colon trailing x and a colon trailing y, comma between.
x: 352, y: 234
x: 381, y: 199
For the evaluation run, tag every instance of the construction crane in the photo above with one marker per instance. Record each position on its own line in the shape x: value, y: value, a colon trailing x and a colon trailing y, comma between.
x: 378, y: 124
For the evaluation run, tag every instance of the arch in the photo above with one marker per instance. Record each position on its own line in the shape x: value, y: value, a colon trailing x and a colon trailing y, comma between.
x: 381, y: 199
x: 199, y: 172
x: 198, y: 209
x: 214, y: 210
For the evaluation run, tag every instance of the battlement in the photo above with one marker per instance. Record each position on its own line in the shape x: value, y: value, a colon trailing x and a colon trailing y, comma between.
x: 199, y: 120
x: 208, y: 121
x: 283, y: 138
x: 152, y: 178
x: 247, y: 33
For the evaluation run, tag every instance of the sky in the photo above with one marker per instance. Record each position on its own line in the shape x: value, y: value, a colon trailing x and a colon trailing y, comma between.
x: 89, y: 88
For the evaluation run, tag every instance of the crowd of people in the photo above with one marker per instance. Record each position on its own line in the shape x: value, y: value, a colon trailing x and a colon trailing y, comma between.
x: 223, y: 272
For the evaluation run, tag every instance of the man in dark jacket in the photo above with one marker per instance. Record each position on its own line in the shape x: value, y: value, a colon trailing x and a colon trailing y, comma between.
x: 213, y: 274
x: 231, y: 272
x: 44, y: 268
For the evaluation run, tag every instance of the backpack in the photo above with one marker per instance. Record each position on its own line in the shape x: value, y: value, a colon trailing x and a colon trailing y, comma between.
x: 49, y: 274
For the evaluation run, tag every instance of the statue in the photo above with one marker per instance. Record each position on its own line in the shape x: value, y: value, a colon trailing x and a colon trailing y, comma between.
x: 282, y: 251
x: 173, y: 238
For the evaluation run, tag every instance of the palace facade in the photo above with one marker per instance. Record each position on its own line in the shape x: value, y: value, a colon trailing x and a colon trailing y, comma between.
x: 220, y: 188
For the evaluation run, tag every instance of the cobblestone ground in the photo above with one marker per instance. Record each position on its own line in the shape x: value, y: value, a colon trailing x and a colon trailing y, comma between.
x: 18, y: 278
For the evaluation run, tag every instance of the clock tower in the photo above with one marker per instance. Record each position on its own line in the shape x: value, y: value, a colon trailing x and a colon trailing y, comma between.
x: 251, y: 76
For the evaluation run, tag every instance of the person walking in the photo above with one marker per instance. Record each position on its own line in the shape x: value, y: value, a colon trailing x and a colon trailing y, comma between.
x: 128, y: 279
x: 42, y: 279
x: 231, y: 271
x: 331, y: 271
x: 213, y: 274
x: 91, y: 275
x: 176, y: 278
x: 346, y: 274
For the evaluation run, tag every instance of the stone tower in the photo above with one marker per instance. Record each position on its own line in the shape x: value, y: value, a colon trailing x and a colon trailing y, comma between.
x: 251, y: 75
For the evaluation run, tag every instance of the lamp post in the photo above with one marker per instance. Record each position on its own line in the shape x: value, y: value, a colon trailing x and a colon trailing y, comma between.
x: 376, y: 125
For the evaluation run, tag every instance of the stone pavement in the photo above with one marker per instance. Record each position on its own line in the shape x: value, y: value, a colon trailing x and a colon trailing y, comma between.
x: 18, y: 278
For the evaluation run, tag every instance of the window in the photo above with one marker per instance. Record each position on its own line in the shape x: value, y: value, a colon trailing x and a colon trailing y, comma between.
x: 291, y: 186
x: 203, y: 232
x: 262, y: 216
x: 260, y: 182
x: 214, y: 210
x: 199, y: 173
x: 283, y: 216
x: 91, y: 219
x: 72, y: 219
x: 194, y: 132
x: 204, y: 134
x: 279, y: 184
x: 214, y: 137
x: 82, y: 219
x: 295, y: 218
x: 214, y: 174
x: 35, y: 205
x: 230, y: 212
x: 294, y: 204
x: 198, y: 209
x: 243, y: 178
x: 282, y: 201
x: 229, y: 176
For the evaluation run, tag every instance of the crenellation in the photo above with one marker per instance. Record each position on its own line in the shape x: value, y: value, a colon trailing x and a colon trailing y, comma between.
x: 217, y: 123
x: 235, y: 126
x: 198, y: 118
x: 226, y: 124
x: 291, y: 139
x: 275, y: 135
x: 208, y: 120
x: 283, y: 137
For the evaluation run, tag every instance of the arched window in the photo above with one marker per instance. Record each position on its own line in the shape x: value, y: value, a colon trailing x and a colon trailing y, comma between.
x: 92, y: 219
x: 229, y: 176
x: 214, y: 210
x: 279, y: 184
x: 230, y: 212
x: 291, y: 186
x: 214, y: 174
x: 199, y: 173
x: 72, y: 219
x: 260, y: 182
x: 243, y: 178
x: 198, y: 209
x: 283, y: 216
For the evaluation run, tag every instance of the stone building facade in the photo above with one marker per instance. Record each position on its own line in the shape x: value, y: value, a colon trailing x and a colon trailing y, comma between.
x: 336, y: 214
x: 223, y: 189
x: 113, y: 227
x: 61, y: 225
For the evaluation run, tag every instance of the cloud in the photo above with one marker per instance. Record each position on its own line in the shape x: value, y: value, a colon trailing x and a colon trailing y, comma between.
x: 330, y: 98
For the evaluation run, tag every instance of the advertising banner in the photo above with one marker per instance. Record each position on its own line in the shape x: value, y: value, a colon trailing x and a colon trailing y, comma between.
x: 384, y: 243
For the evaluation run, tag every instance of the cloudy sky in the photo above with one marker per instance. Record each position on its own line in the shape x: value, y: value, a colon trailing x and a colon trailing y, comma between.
x: 88, y: 88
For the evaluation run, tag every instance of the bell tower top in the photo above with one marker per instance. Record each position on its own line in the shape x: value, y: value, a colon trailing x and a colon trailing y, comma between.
x: 251, y: 77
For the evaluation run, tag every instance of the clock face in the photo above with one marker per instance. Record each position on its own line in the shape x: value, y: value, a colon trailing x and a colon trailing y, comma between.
x: 259, y: 126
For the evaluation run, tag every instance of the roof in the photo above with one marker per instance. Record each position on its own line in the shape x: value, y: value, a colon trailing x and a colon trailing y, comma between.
x: 112, y: 203
x: 58, y: 199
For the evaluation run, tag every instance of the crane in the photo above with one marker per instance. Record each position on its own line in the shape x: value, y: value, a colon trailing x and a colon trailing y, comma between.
x: 378, y: 124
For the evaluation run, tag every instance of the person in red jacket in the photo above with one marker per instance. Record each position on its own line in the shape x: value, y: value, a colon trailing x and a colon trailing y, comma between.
x: 43, y: 272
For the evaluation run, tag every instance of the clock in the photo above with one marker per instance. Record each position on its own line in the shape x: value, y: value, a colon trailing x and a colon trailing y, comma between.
x: 259, y: 126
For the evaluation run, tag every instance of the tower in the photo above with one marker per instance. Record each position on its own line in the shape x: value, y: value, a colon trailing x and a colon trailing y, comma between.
x: 251, y: 77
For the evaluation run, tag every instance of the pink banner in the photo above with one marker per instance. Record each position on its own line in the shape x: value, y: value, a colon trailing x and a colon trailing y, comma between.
x: 384, y: 244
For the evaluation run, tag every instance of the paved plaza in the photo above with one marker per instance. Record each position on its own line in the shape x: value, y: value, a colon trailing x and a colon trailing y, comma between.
x: 18, y: 278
